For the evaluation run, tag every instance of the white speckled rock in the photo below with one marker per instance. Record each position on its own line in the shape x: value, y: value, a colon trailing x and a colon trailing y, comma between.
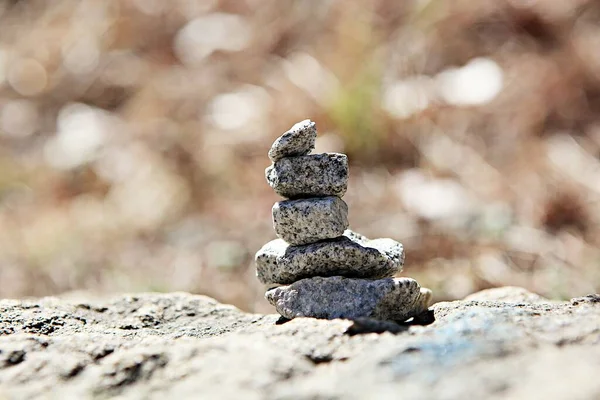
x: 336, y: 297
x: 298, y: 141
x: 314, y: 175
x: 310, y: 220
x: 351, y: 255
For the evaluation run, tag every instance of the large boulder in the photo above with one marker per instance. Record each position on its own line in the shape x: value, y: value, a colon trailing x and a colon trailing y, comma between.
x: 501, y: 343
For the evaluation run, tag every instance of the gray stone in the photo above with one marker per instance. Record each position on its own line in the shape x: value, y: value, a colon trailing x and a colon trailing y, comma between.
x: 351, y: 255
x: 314, y: 175
x: 298, y: 141
x: 310, y: 220
x: 395, y: 299
x: 154, y: 346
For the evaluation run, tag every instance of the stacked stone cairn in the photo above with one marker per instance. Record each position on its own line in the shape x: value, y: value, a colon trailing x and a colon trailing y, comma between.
x: 317, y: 267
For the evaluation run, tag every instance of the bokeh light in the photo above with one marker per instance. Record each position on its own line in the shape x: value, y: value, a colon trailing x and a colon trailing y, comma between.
x: 134, y: 138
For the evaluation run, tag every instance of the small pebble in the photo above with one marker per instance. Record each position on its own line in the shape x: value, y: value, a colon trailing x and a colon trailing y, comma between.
x: 315, y: 175
x: 298, y: 141
x: 310, y: 220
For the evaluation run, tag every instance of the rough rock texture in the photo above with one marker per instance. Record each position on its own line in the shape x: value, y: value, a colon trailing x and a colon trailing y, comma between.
x: 315, y: 175
x: 351, y: 255
x: 298, y: 141
x: 310, y: 220
x: 156, y: 346
x: 396, y: 299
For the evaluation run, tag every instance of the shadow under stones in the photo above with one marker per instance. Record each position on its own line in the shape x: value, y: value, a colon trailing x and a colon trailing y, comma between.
x: 319, y: 359
x: 361, y: 326
x: 425, y: 318
x: 282, y: 320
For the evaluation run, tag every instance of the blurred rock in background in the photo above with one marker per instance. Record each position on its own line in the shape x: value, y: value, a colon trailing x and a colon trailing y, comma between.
x: 134, y: 137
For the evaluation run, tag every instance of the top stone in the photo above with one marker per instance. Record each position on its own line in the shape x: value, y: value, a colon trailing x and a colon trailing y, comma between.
x: 298, y: 141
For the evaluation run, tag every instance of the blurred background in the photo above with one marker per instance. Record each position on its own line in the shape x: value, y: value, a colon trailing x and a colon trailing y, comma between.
x: 134, y: 138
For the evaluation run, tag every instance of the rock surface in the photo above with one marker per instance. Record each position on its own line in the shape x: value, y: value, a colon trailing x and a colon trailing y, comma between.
x: 307, y: 221
x: 395, y: 299
x: 298, y: 141
x: 500, y: 344
x: 351, y: 255
x: 314, y: 175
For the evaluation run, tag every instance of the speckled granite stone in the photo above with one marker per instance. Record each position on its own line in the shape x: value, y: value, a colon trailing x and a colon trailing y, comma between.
x: 336, y: 297
x: 314, y: 175
x: 310, y: 220
x: 298, y: 141
x: 351, y: 255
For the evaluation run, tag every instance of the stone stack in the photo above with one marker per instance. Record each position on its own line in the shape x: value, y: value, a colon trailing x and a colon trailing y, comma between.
x: 318, y: 268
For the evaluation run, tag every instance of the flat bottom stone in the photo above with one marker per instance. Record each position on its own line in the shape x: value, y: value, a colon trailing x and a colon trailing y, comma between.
x: 396, y: 299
